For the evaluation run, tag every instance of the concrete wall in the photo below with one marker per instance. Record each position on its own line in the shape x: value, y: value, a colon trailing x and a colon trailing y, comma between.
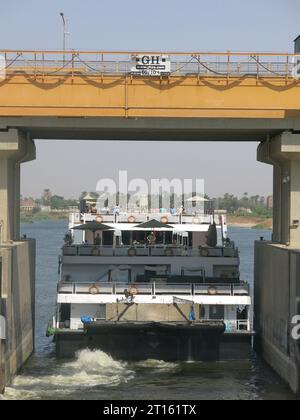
x: 17, y: 306
x: 277, y: 278
x: 2, y: 370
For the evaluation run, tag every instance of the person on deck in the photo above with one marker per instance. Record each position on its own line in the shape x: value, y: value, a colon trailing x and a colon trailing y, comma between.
x: 151, y: 239
x: 98, y: 240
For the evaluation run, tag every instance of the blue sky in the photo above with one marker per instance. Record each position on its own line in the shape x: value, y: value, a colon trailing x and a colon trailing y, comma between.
x: 268, y: 25
x: 220, y: 25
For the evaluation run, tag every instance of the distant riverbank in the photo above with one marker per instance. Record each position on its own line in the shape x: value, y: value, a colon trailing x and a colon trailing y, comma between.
x: 249, y: 221
x: 42, y: 216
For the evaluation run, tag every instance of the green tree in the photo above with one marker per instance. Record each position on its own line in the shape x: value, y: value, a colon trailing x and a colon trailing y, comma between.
x: 57, y: 202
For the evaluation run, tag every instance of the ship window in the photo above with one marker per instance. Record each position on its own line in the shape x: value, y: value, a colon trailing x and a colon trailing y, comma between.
x: 190, y: 239
x: 126, y: 238
x: 65, y: 312
x: 108, y: 238
x: 169, y: 238
x: 202, y: 312
x: 101, y: 312
x: 217, y: 312
x: 141, y: 237
x: 159, y: 238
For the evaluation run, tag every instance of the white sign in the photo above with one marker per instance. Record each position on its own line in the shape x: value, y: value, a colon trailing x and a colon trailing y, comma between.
x: 182, y: 301
x: 2, y: 67
x: 151, y: 65
x: 2, y: 328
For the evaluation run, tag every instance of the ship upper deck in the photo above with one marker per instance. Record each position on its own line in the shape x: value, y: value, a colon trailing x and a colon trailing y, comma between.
x: 139, y: 216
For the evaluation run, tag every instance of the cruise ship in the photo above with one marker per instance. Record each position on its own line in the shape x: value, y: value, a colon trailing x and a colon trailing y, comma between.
x: 152, y: 284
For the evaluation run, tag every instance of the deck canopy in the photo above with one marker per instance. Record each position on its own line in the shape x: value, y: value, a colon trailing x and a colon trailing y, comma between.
x: 154, y: 224
x: 93, y: 227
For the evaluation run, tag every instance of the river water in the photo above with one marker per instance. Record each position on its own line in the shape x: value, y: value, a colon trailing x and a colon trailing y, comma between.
x: 95, y: 375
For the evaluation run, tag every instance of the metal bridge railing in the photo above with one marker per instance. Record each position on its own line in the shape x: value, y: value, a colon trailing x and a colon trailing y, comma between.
x: 58, y: 63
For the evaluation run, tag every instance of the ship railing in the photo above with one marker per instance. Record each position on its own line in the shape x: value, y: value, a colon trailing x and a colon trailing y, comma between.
x: 83, y: 250
x: 173, y: 289
x: 154, y: 289
x: 235, y: 325
x: 241, y: 289
x: 222, y: 289
x: 195, y: 218
x: 204, y: 289
x: 238, y: 325
x: 141, y: 288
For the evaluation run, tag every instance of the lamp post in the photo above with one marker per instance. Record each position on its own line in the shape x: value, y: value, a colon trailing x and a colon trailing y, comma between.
x: 64, y: 35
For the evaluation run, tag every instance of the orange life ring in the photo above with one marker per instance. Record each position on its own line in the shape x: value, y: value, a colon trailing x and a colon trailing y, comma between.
x: 169, y: 252
x: 94, y: 290
x: 96, y: 252
x: 204, y: 252
x: 212, y: 290
x: 131, y: 252
x: 131, y: 219
x: 164, y: 220
x: 99, y: 219
x: 133, y: 291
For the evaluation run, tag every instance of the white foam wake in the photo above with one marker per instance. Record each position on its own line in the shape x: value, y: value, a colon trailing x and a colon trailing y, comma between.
x: 158, y: 365
x: 89, y: 370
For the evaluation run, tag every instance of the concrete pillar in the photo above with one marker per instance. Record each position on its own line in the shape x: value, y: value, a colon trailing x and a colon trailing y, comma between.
x: 17, y: 198
x: 277, y: 190
x: 15, y: 148
x: 7, y: 199
x: 283, y: 152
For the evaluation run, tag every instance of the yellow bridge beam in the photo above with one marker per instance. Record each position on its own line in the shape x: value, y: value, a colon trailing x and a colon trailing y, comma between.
x: 177, y: 96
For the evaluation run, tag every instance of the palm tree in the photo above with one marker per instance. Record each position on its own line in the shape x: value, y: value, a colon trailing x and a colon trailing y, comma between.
x: 46, y: 196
